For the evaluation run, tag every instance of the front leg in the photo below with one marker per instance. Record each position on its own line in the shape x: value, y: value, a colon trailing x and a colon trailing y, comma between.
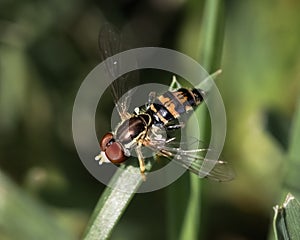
x: 139, y: 154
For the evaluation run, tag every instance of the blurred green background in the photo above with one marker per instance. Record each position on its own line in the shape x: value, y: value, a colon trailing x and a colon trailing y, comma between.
x: 46, y: 50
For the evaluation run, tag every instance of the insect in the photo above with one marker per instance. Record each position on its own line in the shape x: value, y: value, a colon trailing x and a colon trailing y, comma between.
x: 151, y: 125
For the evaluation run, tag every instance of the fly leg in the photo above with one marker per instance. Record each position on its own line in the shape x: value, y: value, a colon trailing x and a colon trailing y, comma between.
x: 175, y: 126
x: 141, y: 161
x: 174, y: 84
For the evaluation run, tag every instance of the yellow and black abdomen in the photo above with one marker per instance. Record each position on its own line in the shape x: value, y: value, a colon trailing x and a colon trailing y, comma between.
x: 173, y: 105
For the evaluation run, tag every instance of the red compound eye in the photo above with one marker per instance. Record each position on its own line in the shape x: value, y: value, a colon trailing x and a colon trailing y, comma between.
x: 113, y: 150
x: 115, y: 153
x: 106, y: 141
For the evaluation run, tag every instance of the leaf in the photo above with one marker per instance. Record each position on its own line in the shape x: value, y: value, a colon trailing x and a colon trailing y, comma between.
x: 113, y: 202
x: 287, y: 219
x: 283, y: 224
x: 184, y: 204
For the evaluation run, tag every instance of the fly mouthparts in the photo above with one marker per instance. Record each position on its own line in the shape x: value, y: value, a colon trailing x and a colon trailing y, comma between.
x: 98, y: 157
x: 101, y: 158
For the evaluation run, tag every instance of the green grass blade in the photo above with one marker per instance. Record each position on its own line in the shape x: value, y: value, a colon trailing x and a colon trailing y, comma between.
x: 210, y: 56
x: 213, y: 34
x: 191, y: 223
x: 287, y: 219
x: 184, y: 196
x: 290, y: 182
x: 177, y: 200
x: 113, y: 202
x: 292, y: 177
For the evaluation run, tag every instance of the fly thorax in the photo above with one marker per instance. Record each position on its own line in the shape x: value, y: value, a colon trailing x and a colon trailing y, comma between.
x: 131, y: 131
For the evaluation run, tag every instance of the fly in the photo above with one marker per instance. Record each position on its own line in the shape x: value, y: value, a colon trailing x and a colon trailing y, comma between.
x: 149, y: 125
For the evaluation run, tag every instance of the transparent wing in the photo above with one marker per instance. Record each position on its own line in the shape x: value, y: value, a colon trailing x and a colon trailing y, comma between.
x: 195, y: 162
x: 193, y: 159
x: 110, y: 43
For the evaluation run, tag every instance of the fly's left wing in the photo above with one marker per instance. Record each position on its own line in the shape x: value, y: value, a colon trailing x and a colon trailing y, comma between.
x: 111, y: 42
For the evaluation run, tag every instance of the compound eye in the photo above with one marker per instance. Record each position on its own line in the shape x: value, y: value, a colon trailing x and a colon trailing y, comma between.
x: 115, y: 153
x: 106, y: 141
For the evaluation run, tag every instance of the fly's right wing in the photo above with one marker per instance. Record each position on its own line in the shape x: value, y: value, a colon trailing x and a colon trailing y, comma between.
x: 193, y: 159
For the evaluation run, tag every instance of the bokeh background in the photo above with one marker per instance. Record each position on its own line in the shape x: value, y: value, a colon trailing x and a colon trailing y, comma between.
x: 46, y: 50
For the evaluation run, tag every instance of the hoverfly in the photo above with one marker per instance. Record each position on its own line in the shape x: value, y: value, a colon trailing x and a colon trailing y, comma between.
x: 149, y: 125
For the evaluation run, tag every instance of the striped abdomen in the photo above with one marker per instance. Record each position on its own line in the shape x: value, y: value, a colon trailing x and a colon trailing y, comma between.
x: 171, y: 105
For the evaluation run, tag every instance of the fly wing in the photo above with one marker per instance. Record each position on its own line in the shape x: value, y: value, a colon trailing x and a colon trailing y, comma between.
x: 194, y: 159
x: 195, y: 162
x: 218, y: 170
x: 111, y: 42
